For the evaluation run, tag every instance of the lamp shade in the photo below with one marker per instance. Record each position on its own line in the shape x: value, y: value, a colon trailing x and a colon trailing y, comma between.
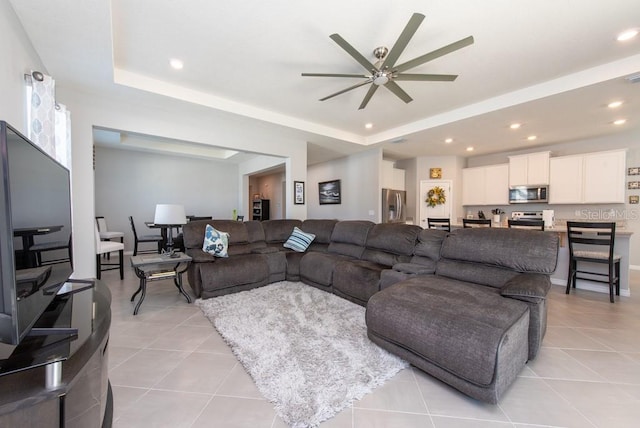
x: 170, y: 214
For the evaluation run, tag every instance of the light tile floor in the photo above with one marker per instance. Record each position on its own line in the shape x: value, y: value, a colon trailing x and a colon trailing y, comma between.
x: 170, y: 368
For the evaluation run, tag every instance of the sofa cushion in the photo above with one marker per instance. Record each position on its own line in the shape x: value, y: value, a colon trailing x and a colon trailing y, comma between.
x: 322, y: 228
x: 390, y: 243
x: 439, y: 320
x: 528, y: 287
x: 517, y: 249
x: 429, y: 243
x: 415, y: 269
x: 299, y: 241
x: 349, y: 237
x: 278, y: 231
x: 477, y: 273
x: 215, y: 242
x: 232, y: 272
x: 357, y: 280
x: 317, y: 268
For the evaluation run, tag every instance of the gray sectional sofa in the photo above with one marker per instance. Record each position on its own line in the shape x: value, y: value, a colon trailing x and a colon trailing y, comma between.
x: 468, y: 307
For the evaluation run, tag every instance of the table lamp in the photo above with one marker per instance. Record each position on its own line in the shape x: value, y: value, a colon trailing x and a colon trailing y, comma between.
x: 170, y: 215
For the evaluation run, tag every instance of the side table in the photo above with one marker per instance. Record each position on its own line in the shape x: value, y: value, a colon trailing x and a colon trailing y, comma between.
x: 154, y: 267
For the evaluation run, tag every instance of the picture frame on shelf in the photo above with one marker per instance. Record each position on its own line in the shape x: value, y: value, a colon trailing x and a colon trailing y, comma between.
x: 329, y: 192
x: 298, y: 192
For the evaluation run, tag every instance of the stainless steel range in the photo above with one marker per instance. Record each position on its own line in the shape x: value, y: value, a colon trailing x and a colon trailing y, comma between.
x: 526, y: 215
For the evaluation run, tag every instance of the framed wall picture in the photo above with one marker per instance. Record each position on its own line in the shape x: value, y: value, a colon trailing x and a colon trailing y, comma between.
x: 633, y: 185
x: 633, y: 171
x: 329, y: 192
x: 298, y: 192
x: 634, y: 199
x: 435, y: 172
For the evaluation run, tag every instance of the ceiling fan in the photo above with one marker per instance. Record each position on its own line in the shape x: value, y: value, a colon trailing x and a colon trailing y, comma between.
x: 385, y: 72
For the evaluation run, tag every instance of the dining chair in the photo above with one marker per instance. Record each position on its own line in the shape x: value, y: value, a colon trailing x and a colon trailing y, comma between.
x: 144, y: 238
x: 106, y: 234
x: 476, y: 222
x: 593, y: 242
x: 38, y: 249
x: 439, y: 223
x: 104, y: 247
x: 526, y: 224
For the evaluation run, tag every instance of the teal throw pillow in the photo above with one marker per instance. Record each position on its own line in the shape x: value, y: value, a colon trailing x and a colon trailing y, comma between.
x: 216, y: 243
x: 299, y: 241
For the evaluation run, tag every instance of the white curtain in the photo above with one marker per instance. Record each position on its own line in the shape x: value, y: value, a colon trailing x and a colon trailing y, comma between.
x: 63, y: 135
x: 49, y: 123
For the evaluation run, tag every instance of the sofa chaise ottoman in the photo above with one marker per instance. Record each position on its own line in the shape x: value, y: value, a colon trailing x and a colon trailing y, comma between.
x: 479, y: 318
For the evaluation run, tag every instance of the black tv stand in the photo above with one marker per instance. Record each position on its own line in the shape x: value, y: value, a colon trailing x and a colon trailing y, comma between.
x: 61, y: 370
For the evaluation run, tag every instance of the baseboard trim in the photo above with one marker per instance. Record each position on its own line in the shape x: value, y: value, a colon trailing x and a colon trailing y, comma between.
x: 590, y: 286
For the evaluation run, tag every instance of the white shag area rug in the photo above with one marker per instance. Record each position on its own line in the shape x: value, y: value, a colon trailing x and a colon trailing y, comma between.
x: 307, y: 350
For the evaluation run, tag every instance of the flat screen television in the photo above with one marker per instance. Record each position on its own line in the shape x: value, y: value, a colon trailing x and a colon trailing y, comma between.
x: 35, y: 208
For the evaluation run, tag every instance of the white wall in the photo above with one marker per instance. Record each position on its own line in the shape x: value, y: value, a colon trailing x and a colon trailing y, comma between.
x: 417, y: 169
x: 130, y: 183
x: 360, y: 186
x: 19, y: 58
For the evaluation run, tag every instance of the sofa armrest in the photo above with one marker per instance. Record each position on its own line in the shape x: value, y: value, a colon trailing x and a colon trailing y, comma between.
x: 265, y: 250
x: 528, y: 287
x: 413, y: 268
x: 199, y: 256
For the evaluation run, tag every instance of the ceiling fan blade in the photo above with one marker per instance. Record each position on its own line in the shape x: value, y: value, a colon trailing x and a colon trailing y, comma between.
x: 434, y: 54
x: 393, y: 87
x: 372, y: 90
x: 361, y: 76
x: 353, y: 52
x: 346, y: 90
x: 402, y: 42
x: 426, y: 77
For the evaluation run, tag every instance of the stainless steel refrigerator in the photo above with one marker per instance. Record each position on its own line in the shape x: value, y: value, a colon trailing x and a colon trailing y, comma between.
x: 393, y: 206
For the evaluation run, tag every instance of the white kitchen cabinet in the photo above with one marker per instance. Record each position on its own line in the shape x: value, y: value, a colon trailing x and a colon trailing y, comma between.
x: 592, y: 178
x: 565, y: 179
x: 486, y: 185
x: 529, y: 169
x: 496, y: 185
x: 392, y: 178
x: 473, y: 186
x: 604, y: 178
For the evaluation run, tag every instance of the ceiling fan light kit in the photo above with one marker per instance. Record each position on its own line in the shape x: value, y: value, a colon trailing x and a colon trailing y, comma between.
x: 385, y: 71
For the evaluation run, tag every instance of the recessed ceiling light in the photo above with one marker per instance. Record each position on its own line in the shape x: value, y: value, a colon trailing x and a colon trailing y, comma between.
x: 532, y: 137
x: 514, y: 126
x: 620, y: 122
x: 448, y: 140
x: 469, y: 149
x: 614, y: 104
x: 176, y: 64
x: 627, y: 35
x: 368, y: 125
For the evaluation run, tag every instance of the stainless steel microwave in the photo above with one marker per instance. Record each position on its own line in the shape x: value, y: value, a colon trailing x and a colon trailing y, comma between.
x: 528, y: 194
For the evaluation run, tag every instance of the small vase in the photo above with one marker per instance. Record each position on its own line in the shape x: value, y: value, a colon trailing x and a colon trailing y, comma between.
x: 496, y: 219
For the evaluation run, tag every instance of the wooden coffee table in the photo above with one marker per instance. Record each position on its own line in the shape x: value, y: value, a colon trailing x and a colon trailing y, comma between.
x: 153, y: 267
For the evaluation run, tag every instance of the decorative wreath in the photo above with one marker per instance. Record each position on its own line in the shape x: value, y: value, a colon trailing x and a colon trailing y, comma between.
x: 436, y: 196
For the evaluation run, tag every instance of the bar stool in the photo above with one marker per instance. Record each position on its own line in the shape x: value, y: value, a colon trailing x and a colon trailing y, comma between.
x: 526, y: 224
x: 593, y: 242
x: 439, y: 223
x: 474, y: 222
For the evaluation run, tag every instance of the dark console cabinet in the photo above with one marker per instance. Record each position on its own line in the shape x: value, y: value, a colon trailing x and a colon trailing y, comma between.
x: 261, y: 209
x: 83, y: 398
